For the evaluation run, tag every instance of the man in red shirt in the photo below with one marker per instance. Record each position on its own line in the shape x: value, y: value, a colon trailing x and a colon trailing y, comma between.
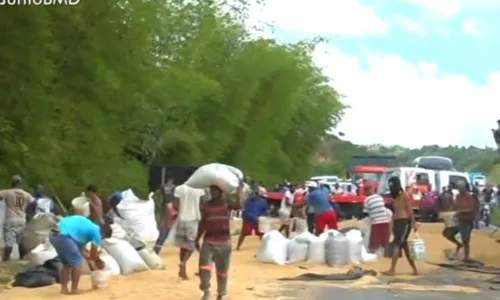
x: 216, y: 248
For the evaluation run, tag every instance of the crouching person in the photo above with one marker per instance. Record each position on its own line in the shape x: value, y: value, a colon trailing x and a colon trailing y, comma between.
x: 216, y: 247
x: 69, y: 240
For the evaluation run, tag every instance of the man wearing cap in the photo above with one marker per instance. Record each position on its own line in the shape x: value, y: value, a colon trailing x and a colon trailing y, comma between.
x: 320, y: 202
x: 16, y: 200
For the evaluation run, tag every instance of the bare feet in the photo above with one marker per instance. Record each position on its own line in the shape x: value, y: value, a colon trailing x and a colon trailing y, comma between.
x: 238, y: 249
x: 457, y: 250
x: 76, y: 292
x: 415, y: 273
x: 206, y: 296
x: 388, y: 273
x: 65, y: 291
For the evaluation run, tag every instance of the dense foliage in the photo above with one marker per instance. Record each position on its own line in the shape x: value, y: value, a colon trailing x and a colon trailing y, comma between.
x: 95, y: 93
x: 335, y: 155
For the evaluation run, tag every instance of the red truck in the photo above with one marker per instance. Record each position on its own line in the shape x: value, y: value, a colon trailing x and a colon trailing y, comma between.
x: 365, y: 170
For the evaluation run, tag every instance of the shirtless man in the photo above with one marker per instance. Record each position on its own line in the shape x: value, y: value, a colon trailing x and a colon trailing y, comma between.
x: 403, y: 222
x: 96, y: 210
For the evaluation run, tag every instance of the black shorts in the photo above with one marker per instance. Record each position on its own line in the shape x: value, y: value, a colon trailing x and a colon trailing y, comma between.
x: 401, y: 229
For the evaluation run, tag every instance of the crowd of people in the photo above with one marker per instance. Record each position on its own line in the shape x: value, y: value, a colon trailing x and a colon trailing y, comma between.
x: 202, y: 223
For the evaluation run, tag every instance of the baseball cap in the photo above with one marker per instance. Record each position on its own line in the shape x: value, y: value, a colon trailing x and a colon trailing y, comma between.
x: 311, y: 184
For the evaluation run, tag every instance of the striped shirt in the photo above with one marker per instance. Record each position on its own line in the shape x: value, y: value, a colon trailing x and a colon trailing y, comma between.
x: 374, y: 206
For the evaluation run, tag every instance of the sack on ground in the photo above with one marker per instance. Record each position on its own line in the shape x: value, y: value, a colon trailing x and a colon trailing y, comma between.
x: 38, y: 229
x: 273, y: 248
x: 355, y: 242
x: 151, y: 259
x: 225, y: 177
x: 118, y: 232
x: 316, y: 253
x: 337, y: 249
x: 125, y: 255
x: 33, y: 277
x: 42, y: 253
x: 300, y: 225
x: 298, y: 247
x: 110, y: 264
x: 138, y: 216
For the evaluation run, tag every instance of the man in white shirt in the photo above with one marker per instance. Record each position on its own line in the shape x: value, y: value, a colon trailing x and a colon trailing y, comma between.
x: 374, y: 208
x: 187, y: 201
x: 285, y: 211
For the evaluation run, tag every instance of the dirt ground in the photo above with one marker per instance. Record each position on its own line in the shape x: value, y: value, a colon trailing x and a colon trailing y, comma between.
x: 250, y: 279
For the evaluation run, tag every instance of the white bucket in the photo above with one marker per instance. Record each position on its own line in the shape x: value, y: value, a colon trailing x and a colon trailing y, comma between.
x: 100, y: 278
x: 417, y: 249
x: 81, y: 205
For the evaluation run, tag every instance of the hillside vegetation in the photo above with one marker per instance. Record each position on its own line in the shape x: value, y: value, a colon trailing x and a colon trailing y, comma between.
x: 335, y: 154
x: 94, y: 93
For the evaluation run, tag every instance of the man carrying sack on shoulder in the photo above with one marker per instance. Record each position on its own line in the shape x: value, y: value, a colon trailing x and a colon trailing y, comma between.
x: 69, y: 240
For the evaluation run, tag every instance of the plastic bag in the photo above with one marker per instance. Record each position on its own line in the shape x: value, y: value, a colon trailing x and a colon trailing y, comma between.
x: 273, y: 248
x: 298, y: 247
x: 33, y: 277
x: 125, y: 255
x: 337, y: 249
x: 225, y: 177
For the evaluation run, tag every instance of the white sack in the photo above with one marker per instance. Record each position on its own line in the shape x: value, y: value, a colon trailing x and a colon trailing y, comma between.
x: 300, y: 225
x: 138, y: 217
x: 355, y: 242
x: 265, y: 224
x: 151, y: 259
x: 368, y: 257
x: 125, y: 255
x: 42, y: 253
x: 38, y: 229
x: 317, y: 253
x: 118, y: 232
x: 110, y: 264
x: 337, y: 249
x: 225, y: 177
x: 273, y: 248
x: 298, y: 247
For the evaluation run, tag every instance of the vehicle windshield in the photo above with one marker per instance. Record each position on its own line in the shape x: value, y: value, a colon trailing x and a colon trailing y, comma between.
x: 383, y: 187
x: 368, y: 176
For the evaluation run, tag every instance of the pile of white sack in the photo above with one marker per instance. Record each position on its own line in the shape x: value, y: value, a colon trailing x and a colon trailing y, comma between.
x: 125, y: 252
x: 138, y: 216
x: 331, y: 247
x: 117, y: 252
